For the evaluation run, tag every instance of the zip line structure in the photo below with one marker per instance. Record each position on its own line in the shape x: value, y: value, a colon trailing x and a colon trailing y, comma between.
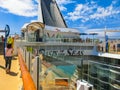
x: 7, y: 32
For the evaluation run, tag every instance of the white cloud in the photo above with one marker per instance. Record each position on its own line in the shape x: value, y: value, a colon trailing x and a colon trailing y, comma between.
x: 81, y: 12
x: 104, y: 12
x: 62, y: 8
x: 91, y: 10
x: 61, y: 4
x: 19, y: 7
x: 27, y: 7
x: 64, y: 2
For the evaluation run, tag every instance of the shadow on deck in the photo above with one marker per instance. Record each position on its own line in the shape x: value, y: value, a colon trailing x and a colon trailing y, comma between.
x: 11, y: 81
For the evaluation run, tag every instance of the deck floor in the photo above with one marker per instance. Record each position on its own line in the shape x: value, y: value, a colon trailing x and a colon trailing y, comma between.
x: 11, y: 81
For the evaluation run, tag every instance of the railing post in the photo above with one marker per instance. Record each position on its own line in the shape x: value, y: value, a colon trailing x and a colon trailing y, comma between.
x: 27, y: 59
x: 38, y: 59
x: 30, y: 58
x: 25, y: 55
x: 36, y: 72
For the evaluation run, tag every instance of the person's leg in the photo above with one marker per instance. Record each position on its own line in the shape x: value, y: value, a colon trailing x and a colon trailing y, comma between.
x: 9, y: 64
x: 10, y: 58
x: 6, y: 62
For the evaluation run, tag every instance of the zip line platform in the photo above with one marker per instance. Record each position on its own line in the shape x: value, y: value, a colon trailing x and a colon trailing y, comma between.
x: 11, y: 81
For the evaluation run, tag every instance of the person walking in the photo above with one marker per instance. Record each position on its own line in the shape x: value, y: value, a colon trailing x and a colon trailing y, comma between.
x: 8, y: 57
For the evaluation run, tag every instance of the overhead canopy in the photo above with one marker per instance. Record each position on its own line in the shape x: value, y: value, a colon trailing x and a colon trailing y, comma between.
x: 83, y: 34
x: 93, y: 33
x: 35, y: 25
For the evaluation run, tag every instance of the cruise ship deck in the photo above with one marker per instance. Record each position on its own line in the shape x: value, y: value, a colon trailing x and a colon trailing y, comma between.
x: 52, y: 56
x: 11, y: 81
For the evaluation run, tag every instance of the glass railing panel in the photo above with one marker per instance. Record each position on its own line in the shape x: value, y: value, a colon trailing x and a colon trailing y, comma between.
x: 115, y: 83
x: 115, y: 68
x: 115, y: 75
x: 114, y: 88
x: 106, y: 74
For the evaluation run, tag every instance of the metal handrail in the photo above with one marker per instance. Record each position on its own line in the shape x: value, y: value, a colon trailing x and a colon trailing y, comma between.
x: 28, y: 83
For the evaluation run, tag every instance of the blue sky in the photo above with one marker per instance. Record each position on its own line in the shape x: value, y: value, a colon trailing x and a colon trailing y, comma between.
x: 85, y: 15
